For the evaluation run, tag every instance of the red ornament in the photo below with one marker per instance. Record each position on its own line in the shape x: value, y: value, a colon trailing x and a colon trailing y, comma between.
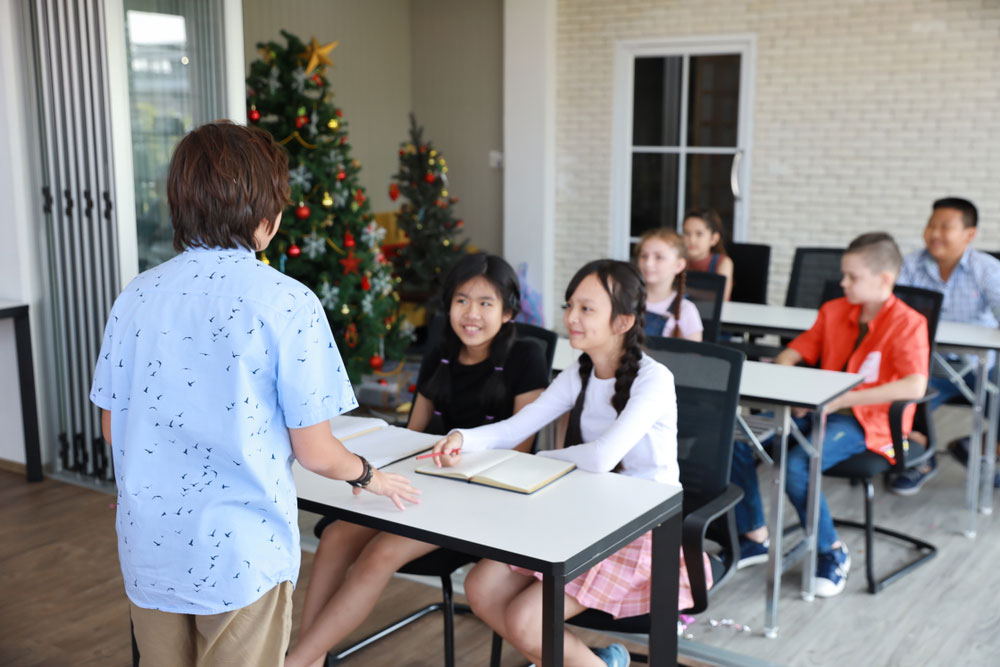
x: 301, y: 121
x: 359, y: 196
x: 412, y: 388
x: 393, y: 191
x: 341, y: 175
x: 343, y: 139
x: 351, y: 335
x: 459, y: 224
x: 302, y: 211
x: 401, y: 152
x: 383, y: 382
x: 254, y: 115
x: 429, y: 177
x: 339, y: 113
x: 365, y: 283
x: 317, y: 80
x: 376, y: 362
x: 350, y: 263
x: 349, y: 239
x: 423, y: 149
x: 294, y: 251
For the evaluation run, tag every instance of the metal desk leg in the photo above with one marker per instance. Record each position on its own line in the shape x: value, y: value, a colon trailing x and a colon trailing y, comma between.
x: 986, y: 482
x: 972, y: 478
x: 812, y: 504
x: 29, y: 409
x: 553, y: 613
x: 665, y: 588
x: 775, y: 526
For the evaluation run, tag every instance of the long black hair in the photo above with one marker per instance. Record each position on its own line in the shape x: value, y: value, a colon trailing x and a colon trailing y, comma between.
x: 625, y: 286
x: 502, y: 277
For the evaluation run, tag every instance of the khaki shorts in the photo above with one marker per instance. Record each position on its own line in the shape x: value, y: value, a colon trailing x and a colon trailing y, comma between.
x: 254, y: 636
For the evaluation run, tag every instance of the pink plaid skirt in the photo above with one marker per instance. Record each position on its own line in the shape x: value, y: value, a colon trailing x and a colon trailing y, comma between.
x: 619, y: 584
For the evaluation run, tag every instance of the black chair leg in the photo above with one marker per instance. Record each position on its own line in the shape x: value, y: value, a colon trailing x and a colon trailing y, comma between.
x: 870, y: 537
x: 135, y: 647
x: 496, y: 652
x: 448, y: 607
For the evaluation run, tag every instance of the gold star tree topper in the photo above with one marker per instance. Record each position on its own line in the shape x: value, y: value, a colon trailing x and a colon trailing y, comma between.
x: 317, y: 55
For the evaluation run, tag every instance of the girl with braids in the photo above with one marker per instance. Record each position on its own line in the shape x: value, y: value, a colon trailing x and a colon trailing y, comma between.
x: 622, y: 417
x: 706, y: 250
x: 482, y: 375
x: 662, y: 261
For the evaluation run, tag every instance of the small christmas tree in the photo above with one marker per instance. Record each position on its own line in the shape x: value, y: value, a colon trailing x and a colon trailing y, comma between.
x: 426, y: 217
x: 328, y: 240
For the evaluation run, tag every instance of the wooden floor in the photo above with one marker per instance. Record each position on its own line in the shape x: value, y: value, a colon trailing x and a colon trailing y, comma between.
x: 63, y: 603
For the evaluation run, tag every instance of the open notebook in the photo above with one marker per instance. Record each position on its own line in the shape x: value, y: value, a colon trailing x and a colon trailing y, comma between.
x: 378, y: 442
x: 504, y: 469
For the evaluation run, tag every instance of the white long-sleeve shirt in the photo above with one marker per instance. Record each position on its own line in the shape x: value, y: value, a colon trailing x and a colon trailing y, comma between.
x: 643, y: 438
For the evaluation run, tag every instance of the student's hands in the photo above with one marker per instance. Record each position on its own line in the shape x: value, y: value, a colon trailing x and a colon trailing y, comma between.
x: 393, y: 486
x: 450, y: 443
x: 799, y: 413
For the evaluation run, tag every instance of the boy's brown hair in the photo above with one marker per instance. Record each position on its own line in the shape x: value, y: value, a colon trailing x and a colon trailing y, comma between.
x: 222, y: 181
x: 879, y: 251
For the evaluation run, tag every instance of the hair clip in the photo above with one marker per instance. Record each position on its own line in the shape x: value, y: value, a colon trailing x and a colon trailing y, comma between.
x: 445, y: 361
x: 489, y: 418
x: 437, y: 412
x: 498, y: 368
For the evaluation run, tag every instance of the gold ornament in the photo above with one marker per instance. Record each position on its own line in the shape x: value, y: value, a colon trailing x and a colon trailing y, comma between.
x: 442, y: 161
x: 431, y: 161
x: 327, y: 201
x: 357, y: 164
x: 328, y: 222
x: 333, y: 124
x: 317, y: 55
x: 444, y: 193
x: 433, y: 152
x: 395, y: 295
x: 444, y: 170
x: 345, y: 309
x: 446, y: 243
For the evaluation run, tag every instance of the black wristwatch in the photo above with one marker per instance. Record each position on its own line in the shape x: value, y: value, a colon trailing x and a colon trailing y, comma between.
x: 366, y: 475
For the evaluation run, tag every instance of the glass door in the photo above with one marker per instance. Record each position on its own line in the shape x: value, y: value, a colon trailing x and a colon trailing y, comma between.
x: 682, y: 135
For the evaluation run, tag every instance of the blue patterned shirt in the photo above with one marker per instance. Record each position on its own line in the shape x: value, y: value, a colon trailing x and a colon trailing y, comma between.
x: 972, y: 291
x: 206, y: 361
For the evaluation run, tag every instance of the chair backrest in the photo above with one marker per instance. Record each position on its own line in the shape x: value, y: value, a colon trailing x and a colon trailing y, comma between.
x: 811, y: 268
x: 546, y: 338
x: 751, y: 265
x: 707, y: 380
x: 705, y: 290
x: 995, y: 253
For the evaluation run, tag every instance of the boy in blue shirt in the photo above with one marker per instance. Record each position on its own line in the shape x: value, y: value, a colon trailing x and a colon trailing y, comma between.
x: 970, y: 282
x: 214, y: 372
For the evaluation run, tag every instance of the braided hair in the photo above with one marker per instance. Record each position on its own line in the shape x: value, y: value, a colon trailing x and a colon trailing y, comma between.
x: 675, y: 241
x: 503, y: 278
x: 625, y: 286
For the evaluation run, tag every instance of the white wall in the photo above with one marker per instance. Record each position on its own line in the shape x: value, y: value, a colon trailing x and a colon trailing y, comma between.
x: 371, y: 74
x: 865, y: 112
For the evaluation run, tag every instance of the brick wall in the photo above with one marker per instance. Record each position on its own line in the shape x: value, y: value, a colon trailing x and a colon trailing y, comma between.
x: 864, y: 113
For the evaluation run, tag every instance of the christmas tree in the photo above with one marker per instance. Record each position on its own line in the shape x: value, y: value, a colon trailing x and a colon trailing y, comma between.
x: 329, y: 239
x: 426, y: 217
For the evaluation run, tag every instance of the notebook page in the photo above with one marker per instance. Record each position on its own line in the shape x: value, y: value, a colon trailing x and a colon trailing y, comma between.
x: 345, y: 427
x: 472, y: 463
x: 525, y: 472
x: 390, y: 444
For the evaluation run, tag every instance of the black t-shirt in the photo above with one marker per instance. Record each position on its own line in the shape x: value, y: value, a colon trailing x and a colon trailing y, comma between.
x: 525, y: 370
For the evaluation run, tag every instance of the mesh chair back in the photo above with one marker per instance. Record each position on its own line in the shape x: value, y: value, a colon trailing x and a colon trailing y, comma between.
x: 707, y: 379
x: 705, y: 291
x: 811, y: 269
x: 831, y: 290
x: 927, y: 302
x: 751, y: 265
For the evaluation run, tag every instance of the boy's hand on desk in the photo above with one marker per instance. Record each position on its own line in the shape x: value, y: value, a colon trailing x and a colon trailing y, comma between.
x: 442, y: 448
x: 393, y: 486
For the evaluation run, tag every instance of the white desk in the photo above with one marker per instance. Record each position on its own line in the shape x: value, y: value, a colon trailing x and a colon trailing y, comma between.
x: 781, y: 388
x: 560, y: 531
x: 951, y: 336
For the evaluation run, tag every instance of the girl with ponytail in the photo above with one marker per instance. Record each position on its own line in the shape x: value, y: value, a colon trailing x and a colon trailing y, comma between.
x: 663, y: 262
x: 481, y: 374
x: 623, y: 418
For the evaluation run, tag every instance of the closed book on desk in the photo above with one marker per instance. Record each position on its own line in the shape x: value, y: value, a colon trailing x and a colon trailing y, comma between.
x: 503, y: 469
x: 378, y: 442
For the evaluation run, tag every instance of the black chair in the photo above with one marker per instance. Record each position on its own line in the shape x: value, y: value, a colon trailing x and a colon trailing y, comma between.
x: 751, y: 265
x: 811, y: 268
x: 861, y: 468
x: 441, y: 563
x: 707, y: 379
x: 705, y: 291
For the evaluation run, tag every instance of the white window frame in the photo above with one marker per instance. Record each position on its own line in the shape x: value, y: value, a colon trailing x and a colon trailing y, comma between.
x: 626, y: 52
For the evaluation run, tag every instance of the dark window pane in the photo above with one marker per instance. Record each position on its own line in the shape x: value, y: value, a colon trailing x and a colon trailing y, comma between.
x: 708, y: 185
x: 654, y: 192
x: 656, y: 101
x: 713, y: 100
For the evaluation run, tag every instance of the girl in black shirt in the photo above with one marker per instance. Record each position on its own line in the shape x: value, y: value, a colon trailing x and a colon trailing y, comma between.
x: 482, y: 374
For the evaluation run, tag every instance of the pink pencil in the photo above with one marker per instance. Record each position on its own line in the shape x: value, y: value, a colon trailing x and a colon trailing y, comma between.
x: 430, y: 456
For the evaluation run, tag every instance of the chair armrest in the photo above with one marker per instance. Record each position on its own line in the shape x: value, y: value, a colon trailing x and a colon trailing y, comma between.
x: 693, y: 542
x: 904, y: 461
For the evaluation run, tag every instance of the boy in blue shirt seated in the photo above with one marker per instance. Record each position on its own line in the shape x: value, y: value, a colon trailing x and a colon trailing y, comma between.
x: 215, y: 371
x: 970, y: 282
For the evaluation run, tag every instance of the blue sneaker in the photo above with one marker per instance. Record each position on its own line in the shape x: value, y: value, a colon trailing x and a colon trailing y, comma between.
x: 831, y: 572
x: 909, y: 482
x: 752, y: 553
x: 615, y: 655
